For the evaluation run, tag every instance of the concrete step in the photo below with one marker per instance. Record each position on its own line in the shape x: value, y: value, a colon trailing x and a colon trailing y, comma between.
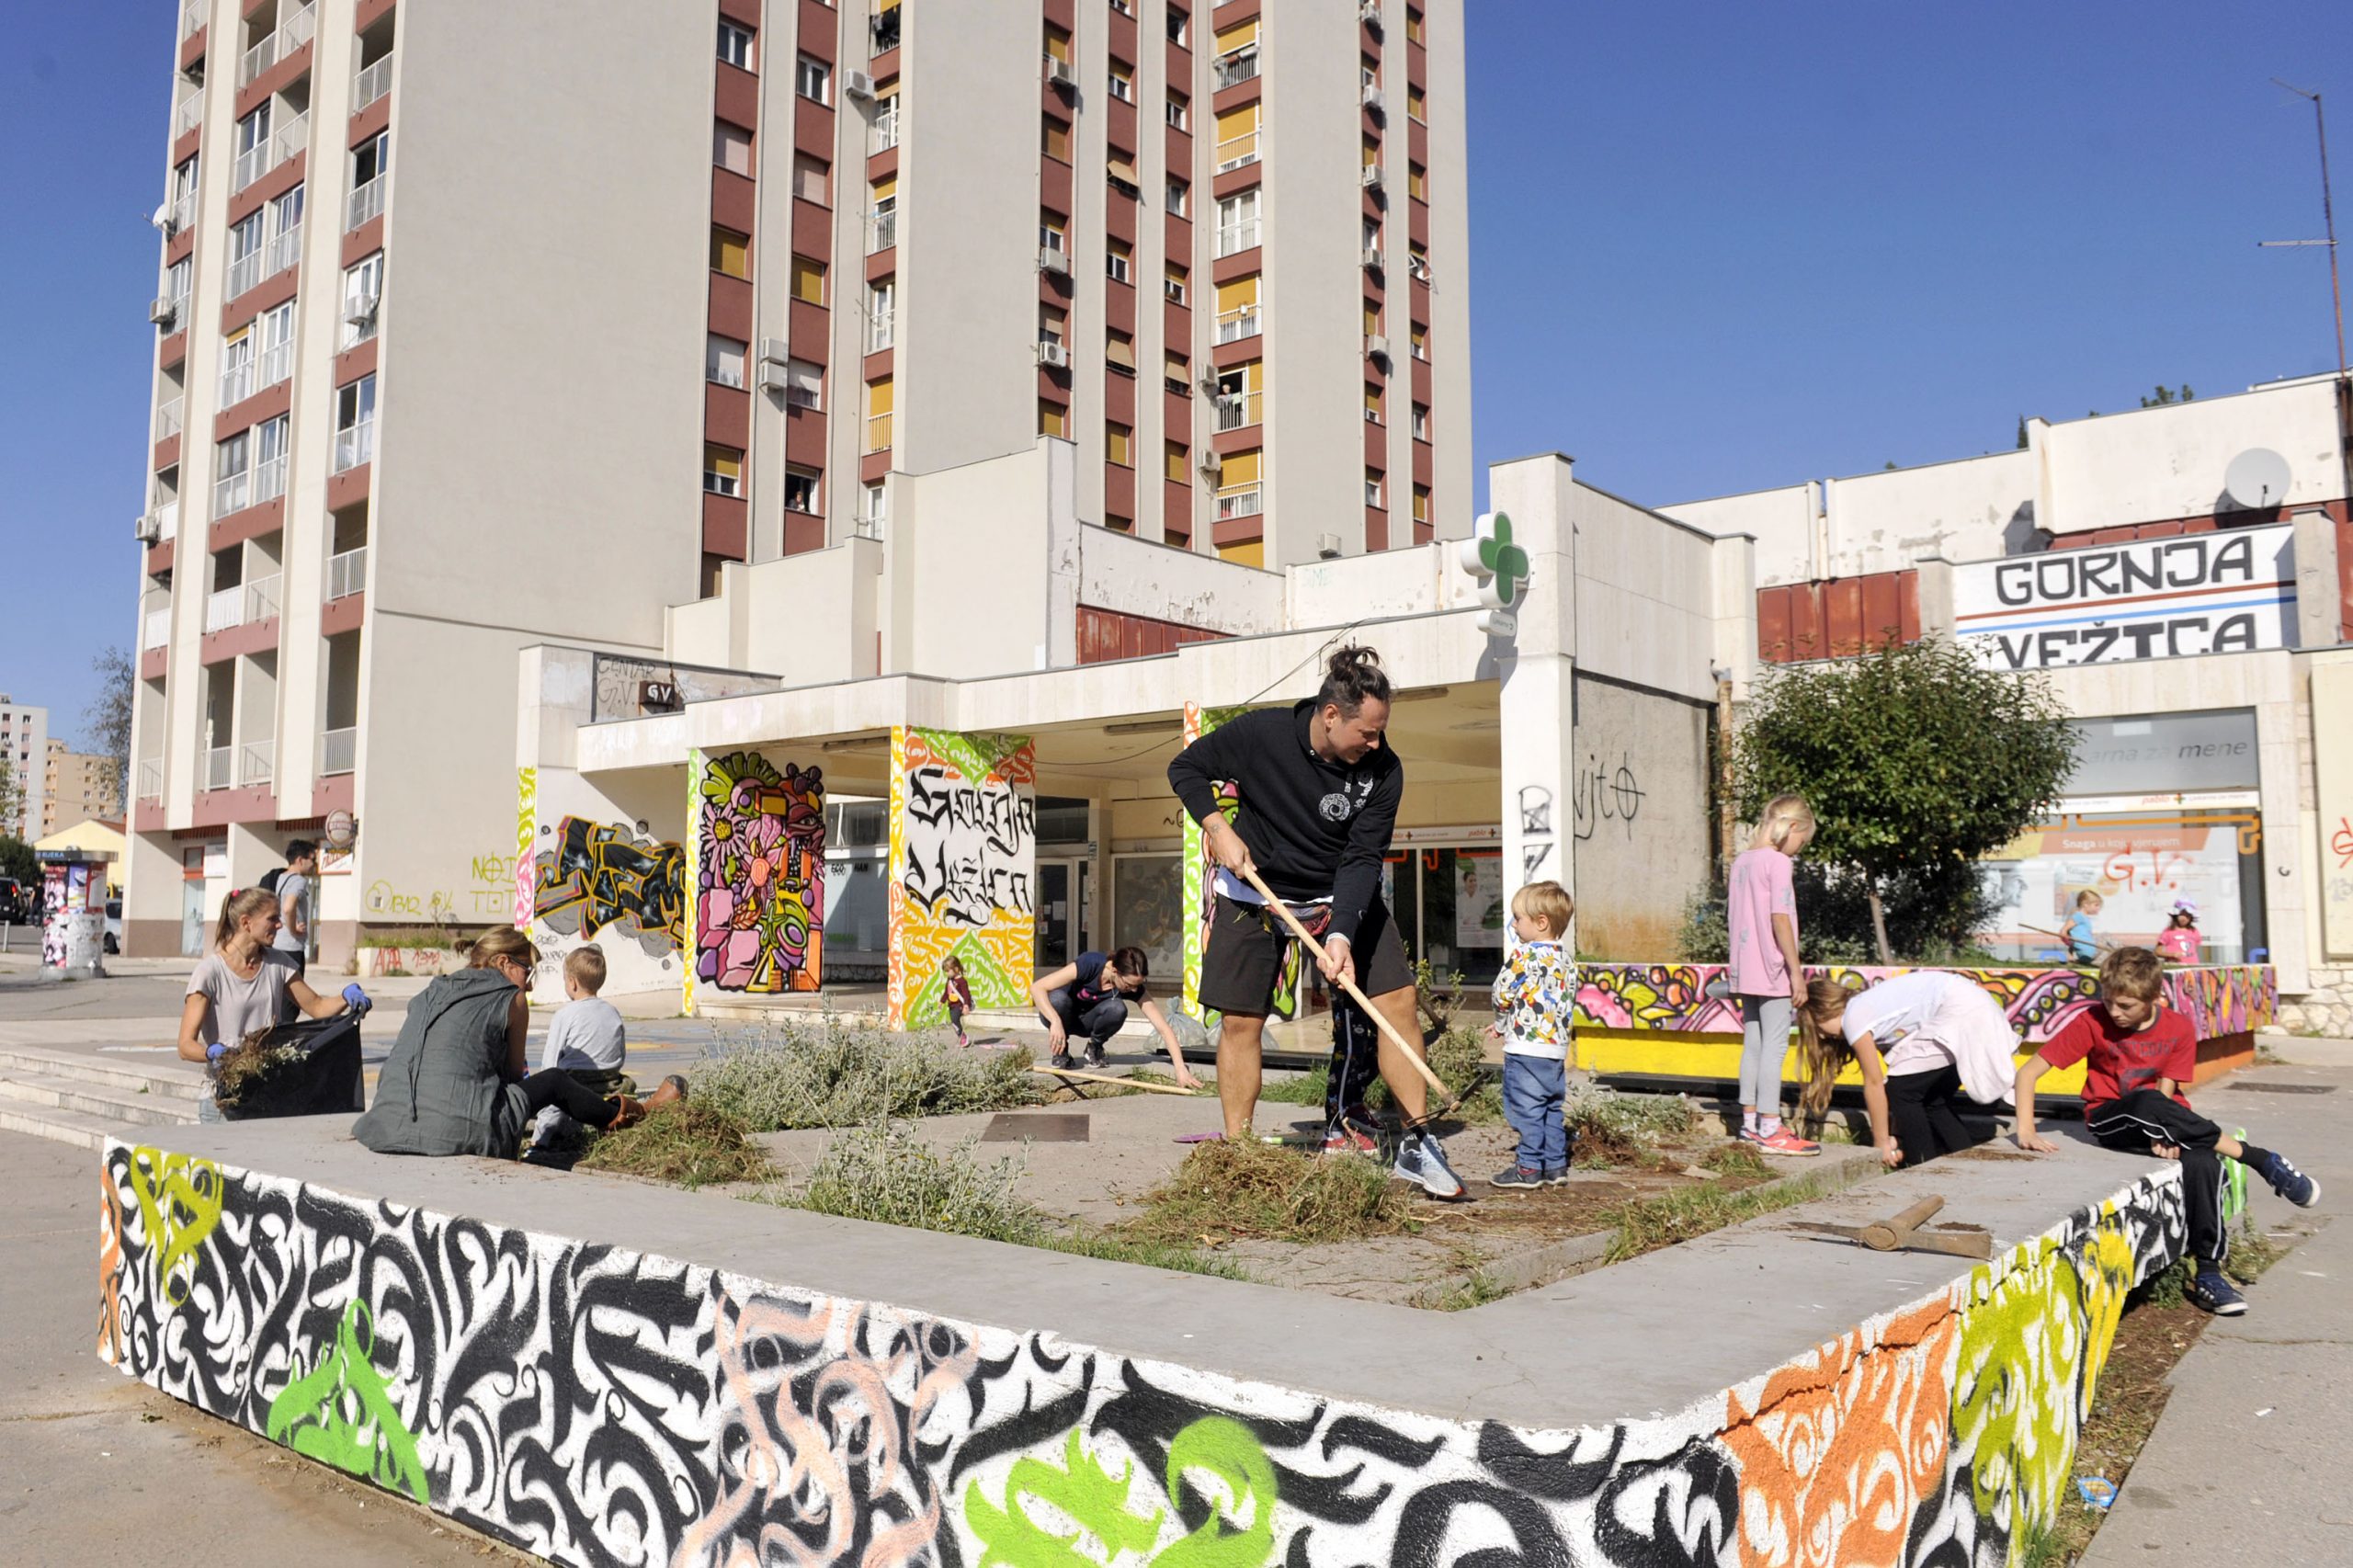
x: 58, y: 1126
x: 166, y: 1076
x: 19, y: 1090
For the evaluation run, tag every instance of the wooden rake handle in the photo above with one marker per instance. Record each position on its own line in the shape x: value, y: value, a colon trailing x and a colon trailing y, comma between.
x: 1412, y: 1053
x: 1112, y: 1078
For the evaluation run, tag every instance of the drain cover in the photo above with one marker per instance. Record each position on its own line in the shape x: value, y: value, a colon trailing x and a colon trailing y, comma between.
x: 1010, y: 1128
x: 2284, y: 1088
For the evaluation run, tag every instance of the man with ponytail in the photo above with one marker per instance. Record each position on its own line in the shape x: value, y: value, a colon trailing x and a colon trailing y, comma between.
x: 1319, y: 790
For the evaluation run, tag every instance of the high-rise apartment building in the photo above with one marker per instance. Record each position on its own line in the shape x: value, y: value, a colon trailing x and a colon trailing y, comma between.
x: 652, y: 290
x: 77, y: 787
x: 23, y: 759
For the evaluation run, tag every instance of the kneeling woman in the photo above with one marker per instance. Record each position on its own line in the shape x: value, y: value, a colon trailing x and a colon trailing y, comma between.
x: 454, y: 1083
x: 1921, y: 1039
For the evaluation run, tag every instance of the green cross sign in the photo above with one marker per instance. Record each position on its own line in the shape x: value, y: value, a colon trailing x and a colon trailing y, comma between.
x: 1505, y: 560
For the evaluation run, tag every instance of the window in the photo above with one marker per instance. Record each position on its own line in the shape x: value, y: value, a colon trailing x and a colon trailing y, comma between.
x: 808, y: 280
x: 1373, y: 402
x: 1116, y: 255
x: 269, y: 458
x: 805, y: 384
x: 1372, y: 233
x: 1119, y: 350
x: 735, y: 45
x: 1053, y: 323
x: 1180, y: 112
x: 371, y: 158
x: 813, y: 180
x: 1421, y: 503
x: 1056, y: 143
x: 731, y: 148
x: 882, y: 215
x: 723, y: 470
x: 873, y: 510
x: 1173, y: 455
x: 233, y: 474
x: 1421, y: 341
x: 1416, y: 104
x: 878, y: 414
x: 1123, y: 81
x: 731, y: 253
x: 1237, y: 309
x: 1117, y: 442
x: 1417, y: 259
x: 1368, y: 71
x: 1119, y: 168
x: 245, y: 254
x: 722, y: 360
x: 1178, y: 372
x: 1371, y: 321
x: 1238, y: 391
x: 1414, y: 24
x: 1238, y: 54
x: 799, y: 489
x: 1050, y: 229
x: 1057, y: 44
x: 1180, y: 198
x: 883, y: 133
x: 1123, y: 7
x: 1054, y: 419
x: 354, y: 423
x: 236, y: 367
x: 1237, y: 487
x: 363, y: 291
x: 1173, y: 286
x: 1237, y: 222
x: 1372, y: 489
x: 882, y: 314
x: 177, y: 280
x: 1237, y: 137
x: 814, y: 80
x: 1179, y: 26
x: 273, y: 351
x: 1372, y: 152
x: 885, y: 26
x: 1418, y: 182
x: 285, y: 232
x: 1421, y: 421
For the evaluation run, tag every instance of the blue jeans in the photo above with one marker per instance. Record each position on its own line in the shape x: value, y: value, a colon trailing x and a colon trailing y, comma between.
x: 1535, y: 1087
x: 1096, y: 1025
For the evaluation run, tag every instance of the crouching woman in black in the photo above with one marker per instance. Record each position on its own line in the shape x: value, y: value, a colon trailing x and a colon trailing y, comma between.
x: 455, y: 1084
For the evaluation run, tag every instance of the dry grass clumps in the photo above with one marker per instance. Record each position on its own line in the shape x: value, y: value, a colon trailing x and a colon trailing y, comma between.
x: 686, y: 1143
x: 1235, y: 1190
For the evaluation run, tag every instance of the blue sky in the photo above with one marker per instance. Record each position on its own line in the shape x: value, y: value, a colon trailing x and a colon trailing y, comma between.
x: 1713, y: 246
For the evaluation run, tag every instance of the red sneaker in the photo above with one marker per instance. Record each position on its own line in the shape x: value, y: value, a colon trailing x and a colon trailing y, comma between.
x: 1781, y: 1140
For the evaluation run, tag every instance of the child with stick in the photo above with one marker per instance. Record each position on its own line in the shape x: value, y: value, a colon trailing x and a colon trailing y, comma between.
x: 1767, y: 980
x: 1533, y: 997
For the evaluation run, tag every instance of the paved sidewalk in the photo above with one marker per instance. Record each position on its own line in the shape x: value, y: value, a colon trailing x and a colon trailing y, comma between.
x: 2249, y: 1461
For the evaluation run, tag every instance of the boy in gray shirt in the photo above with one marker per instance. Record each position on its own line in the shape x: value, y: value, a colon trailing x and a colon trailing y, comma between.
x: 294, y: 902
x: 586, y: 1038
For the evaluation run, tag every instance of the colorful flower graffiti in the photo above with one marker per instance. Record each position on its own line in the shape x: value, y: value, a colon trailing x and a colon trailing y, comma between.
x: 963, y: 864
x: 759, y: 840
x: 665, y: 1412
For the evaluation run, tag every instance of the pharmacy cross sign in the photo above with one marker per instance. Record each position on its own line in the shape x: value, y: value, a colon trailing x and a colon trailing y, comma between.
x: 1502, y: 568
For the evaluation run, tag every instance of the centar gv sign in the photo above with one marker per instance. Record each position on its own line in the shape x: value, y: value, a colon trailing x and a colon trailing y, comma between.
x: 2210, y: 593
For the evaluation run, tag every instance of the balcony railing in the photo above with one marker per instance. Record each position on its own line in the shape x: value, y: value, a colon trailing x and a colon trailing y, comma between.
x: 218, y: 761
x: 1246, y: 502
x: 271, y: 150
x: 338, y: 751
x: 179, y: 213
x: 355, y: 445
x: 277, y: 364
x: 167, y: 520
x: 155, y: 628
x: 1235, y: 152
x: 883, y: 134
x: 1230, y: 70
x: 232, y: 492
x: 292, y: 33
x: 227, y: 608
x: 1237, y: 410
x: 881, y: 326
x: 187, y: 114
x: 151, y: 779
x: 245, y: 273
x: 371, y: 82
x: 285, y: 251
x: 882, y: 231
x: 347, y: 573
x: 1236, y: 237
x: 270, y: 481
x: 1236, y: 325
x: 167, y: 420
x: 366, y: 202
x: 236, y: 382
x: 256, y: 760
x: 191, y: 15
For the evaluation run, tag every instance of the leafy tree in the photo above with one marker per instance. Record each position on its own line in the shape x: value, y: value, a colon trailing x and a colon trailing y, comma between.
x: 17, y: 861
x: 107, y: 721
x: 2021, y: 432
x: 2167, y: 395
x: 1917, y: 761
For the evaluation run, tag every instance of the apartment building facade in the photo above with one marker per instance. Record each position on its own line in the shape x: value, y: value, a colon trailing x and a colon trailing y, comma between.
x: 651, y: 308
x: 77, y: 787
x: 23, y: 757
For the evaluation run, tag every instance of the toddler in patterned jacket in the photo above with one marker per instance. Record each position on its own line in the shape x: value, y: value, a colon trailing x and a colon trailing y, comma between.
x: 1533, y: 996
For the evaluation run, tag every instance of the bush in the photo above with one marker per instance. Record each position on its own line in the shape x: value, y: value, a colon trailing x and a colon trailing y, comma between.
x: 686, y: 1141
x: 1933, y: 917
x: 882, y: 1171
x: 1269, y: 1191
x: 831, y: 1073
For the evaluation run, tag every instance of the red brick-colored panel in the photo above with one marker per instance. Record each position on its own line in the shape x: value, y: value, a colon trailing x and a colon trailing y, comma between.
x: 159, y: 557
x: 1226, y: 355
x: 1883, y: 616
x: 1105, y: 635
x: 1227, y: 99
x: 185, y: 145
x: 810, y: 332
x: 165, y: 455
x: 1228, y: 442
x: 1225, y: 184
x: 1376, y: 529
x: 813, y: 226
x: 266, y: 404
x: 365, y: 240
x: 804, y: 435
x: 350, y: 487
x: 1120, y: 216
x: 1908, y: 606
x: 883, y: 165
x: 820, y: 30
x: 1845, y: 601
x: 355, y: 362
x: 253, y: 637
x: 873, y: 466
x: 1238, y: 531
x: 2344, y: 573
x: 732, y: 205
x: 1119, y: 491
x: 735, y: 96
x: 1120, y: 33
x: 881, y: 263
x: 268, y: 188
x: 1177, y: 235
x: 1176, y: 505
x: 731, y: 307
x: 1175, y: 324
x: 1241, y: 263
x: 1232, y: 14
x: 1808, y: 622
x: 151, y: 663
x: 1120, y: 129
x: 1424, y: 461
x: 1055, y: 183
x: 1418, y: 223
x: 803, y: 532
x: 368, y: 13
x: 369, y: 122
x: 338, y: 794
x: 282, y: 73
x: 726, y: 527
x: 745, y: 13
x: 1417, y: 66
x: 247, y: 522
x: 192, y: 51
x: 217, y: 808
x: 1421, y: 371
x: 1773, y: 625
x: 179, y: 247
x: 1179, y: 151
x: 874, y: 366
x: 173, y: 349
x: 1376, y: 445
x: 269, y: 294
x: 1053, y: 386
x: 1120, y: 397
x: 147, y: 816
x: 813, y: 128
x: 1175, y: 413
x: 726, y: 416
x: 338, y: 616
x: 1120, y: 306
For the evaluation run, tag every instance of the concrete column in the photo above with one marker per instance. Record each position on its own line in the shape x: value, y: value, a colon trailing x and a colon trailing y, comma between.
x: 963, y: 869
x: 1935, y: 596
x: 2319, y: 604
x: 2283, y: 890
x: 2332, y: 733
x: 1538, y: 670
x: 1734, y: 564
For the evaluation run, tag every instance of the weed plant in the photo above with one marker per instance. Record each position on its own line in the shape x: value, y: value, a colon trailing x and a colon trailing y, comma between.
x: 827, y: 1072
x: 1647, y: 1225
x: 688, y: 1143
x: 1612, y: 1129
x: 1264, y: 1190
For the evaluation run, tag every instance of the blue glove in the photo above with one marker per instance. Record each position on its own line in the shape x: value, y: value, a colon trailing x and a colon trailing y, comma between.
x: 357, y: 1000
x: 214, y: 1052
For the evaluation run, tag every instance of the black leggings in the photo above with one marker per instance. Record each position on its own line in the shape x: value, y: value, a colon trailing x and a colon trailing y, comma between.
x: 1920, y: 1114
x: 554, y: 1086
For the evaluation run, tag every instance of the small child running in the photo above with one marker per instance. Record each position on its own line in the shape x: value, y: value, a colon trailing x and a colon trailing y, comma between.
x: 2138, y: 1056
x: 586, y: 1038
x: 2082, y: 946
x: 956, y: 995
x: 1533, y: 997
x: 1766, y: 979
x: 2181, y: 942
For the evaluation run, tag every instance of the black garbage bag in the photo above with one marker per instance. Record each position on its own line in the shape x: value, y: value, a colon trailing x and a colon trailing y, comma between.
x: 310, y: 1067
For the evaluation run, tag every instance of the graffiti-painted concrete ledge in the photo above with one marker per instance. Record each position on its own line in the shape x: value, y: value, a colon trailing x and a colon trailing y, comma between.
x: 606, y: 1372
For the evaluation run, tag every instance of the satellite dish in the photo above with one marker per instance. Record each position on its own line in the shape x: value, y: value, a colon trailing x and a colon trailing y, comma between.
x: 2256, y: 478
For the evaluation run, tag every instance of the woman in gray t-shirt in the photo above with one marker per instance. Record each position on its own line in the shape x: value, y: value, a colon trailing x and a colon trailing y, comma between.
x: 243, y: 985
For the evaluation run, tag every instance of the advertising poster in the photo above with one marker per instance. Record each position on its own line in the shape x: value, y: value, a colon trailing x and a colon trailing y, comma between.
x: 1479, y: 911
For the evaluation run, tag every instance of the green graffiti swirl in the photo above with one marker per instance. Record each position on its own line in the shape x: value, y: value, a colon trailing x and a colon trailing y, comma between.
x: 342, y: 1413
x: 179, y: 1203
x: 1106, y: 1529
x: 1226, y: 1449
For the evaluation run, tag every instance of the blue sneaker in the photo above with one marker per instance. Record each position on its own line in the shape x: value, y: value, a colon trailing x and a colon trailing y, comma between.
x: 1518, y: 1176
x: 1556, y: 1175
x: 2211, y: 1292
x: 1419, y: 1159
x: 2290, y: 1183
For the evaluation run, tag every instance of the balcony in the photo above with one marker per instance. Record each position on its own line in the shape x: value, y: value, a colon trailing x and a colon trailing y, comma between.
x: 1236, y: 325
x: 155, y: 628
x: 371, y: 82
x: 881, y: 230
x: 1236, y: 410
x: 219, y: 764
x: 271, y: 150
x: 1233, y: 70
x: 179, y: 213
x: 232, y: 492
x: 883, y: 133
x: 187, y: 114
x: 293, y: 34
x: 1247, y: 502
x: 277, y: 364
x: 256, y: 761
x: 236, y: 378
x: 338, y: 751
x: 166, y: 518
x: 1236, y: 151
x: 285, y: 253
x: 227, y: 608
x: 347, y: 573
x: 1234, y: 238
x: 167, y: 420
x: 191, y: 17
x: 269, y: 483
x: 356, y: 445
x: 151, y: 779
x: 244, y: 274
x: 368, y: 201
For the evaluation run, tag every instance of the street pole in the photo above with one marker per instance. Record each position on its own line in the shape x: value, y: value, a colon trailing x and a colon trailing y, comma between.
x: 2328, y: 219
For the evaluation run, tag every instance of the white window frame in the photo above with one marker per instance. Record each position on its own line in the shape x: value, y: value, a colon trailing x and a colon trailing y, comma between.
x: 816, y: 482
x: 1175, y: 290
x: 1179, y: 113
x: 1421, y: 421
x: 1237, y: 222
x: 873, y: 510
x: 354, y: 423
x: 1051, y: 238
x: 1372, y: 492
x: 1120, y: 268
x: 233, y: 473
x: 1123, y: 84
x: 882, y: 314
x: 808, y: 380
x: 883, y: 134
x: 1180, y: 197
x: 363, y: 281
x: 717, y: 483
x: 725, y: 360
x: 274, y: 357
x: 237, y: 368
x: 809, y: 70
x: 882, y: 224
x: 735, y: 44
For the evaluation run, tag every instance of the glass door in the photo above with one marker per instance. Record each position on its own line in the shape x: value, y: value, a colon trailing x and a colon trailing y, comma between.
x: 1057, y: 914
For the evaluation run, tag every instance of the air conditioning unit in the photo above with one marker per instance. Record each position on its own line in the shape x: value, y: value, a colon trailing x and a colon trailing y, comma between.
x: 362, y: 312
x: 162, y: 312
x: 1054, y: 355
x: 1327, y: 546
x: 1212, y: 465
x: 1370, y: 11
x: 1374, y: 101
x: 1377, y: 346
x: 1207, y: 383
x: 773, y: 378
x: 857, y: 83
x: 801, y: 397
x: 1052, y: 260
x: 1372, y: 259
x: 147, y: 527
x: 773, y: 351
x: 1057, y: 74
x: 1372, y: 177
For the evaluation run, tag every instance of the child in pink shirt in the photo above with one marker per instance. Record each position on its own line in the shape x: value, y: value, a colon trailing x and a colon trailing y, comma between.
x: 1765, y: 980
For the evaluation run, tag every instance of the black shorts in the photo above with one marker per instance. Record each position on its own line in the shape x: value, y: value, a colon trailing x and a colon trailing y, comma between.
x: 1245, y: 954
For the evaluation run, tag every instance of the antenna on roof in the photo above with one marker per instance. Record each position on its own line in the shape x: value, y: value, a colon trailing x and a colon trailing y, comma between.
x: 2329, y: 218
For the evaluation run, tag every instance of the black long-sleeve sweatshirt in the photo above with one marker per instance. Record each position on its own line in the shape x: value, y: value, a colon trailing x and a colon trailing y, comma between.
x: 1316, y: 829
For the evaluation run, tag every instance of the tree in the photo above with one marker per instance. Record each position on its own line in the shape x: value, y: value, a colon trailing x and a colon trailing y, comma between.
x: 2021, y: 432
x: 1917, y: 761
x: 17, y: 860
x: 107, y: 721
x: 2167, y: 395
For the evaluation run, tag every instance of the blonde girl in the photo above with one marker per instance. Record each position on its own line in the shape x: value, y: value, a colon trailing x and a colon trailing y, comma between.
x: 1921, y: 1042
x: 1767, y: 980
x: 246, y: 984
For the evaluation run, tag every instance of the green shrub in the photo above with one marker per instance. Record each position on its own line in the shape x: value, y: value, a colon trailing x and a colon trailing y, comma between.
x: 882, y: 1171
x: 826, y: 1072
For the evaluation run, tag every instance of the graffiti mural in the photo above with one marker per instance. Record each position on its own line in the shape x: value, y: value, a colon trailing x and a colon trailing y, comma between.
x: 964, y: 863
x: 527, y: 828
x: 1674, y: 997
x: 598, y: 879
x: 759, y: 840
x: 597, y: 1405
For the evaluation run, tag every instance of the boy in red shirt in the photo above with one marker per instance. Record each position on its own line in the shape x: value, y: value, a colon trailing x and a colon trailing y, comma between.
x: 2138, y: 1055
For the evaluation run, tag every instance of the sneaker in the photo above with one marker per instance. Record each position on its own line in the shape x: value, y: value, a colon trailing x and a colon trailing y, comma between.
x: 1556, y: 1175
x: 1419, y: 1159
x: 1749, y: 1135
x: 1344, y: 1137
x: 1781, y: 1140
x: 1061, y: 1061
x: 1518, y: 1176
x: 1095, y: 1056
x: 2290, y: 1183
x: 2211, y: 1292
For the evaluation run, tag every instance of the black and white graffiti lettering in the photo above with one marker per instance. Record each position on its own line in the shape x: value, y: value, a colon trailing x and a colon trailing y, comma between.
x: 968, y: 845
x: 1535, y: 809
x: 1605, y: 794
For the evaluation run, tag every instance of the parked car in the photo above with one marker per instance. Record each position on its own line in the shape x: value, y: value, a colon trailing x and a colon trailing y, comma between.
x: 114, y: 925
x: 16, y: 909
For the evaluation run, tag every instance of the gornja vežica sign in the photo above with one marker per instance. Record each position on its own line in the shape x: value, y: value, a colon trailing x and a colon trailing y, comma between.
x: 2211, y: 593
